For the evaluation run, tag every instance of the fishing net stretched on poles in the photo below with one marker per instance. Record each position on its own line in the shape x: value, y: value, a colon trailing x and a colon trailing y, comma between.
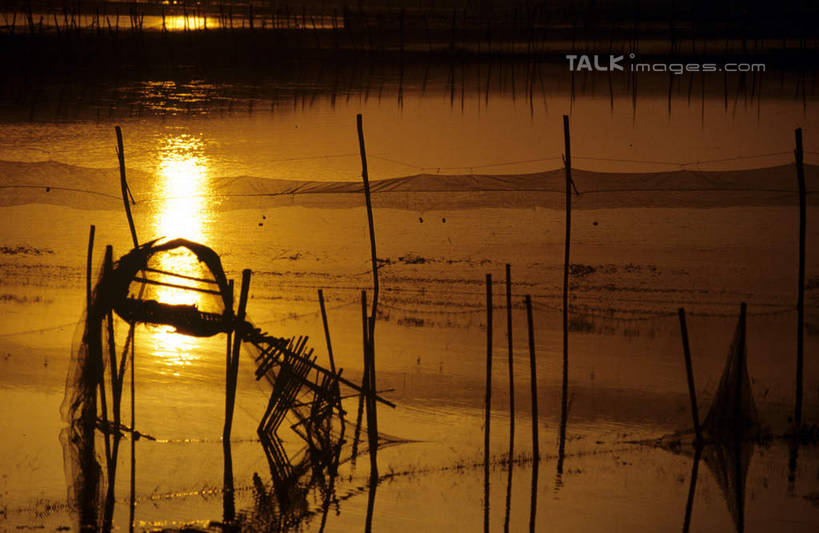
x: 147, y: 285
x: 733, y: 411
x: 79, y: 410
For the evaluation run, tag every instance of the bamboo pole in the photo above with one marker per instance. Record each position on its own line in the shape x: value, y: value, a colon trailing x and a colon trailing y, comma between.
x: 365, y: 378
x: 511, y: 396
x: 533, y: 370
x: 741, y: 367
x: 230, y: 396
x: 690, y: 374
x: 108, y: 512
x: 237, y: 342
x: 132, y: 502
x: 369, y: 345
x: 332, y: 364
x: 227, y: 481
x: 564, y: 403
x: 368, y: 200
x: 107, y: 260
x: 488, y: 398
x: 535, y: 440
x: 124, y: 186
x: 800, y: 302
x: 511, y: 361
x: 369, y: 379
x: 326, y: 330
x: 88, y: 268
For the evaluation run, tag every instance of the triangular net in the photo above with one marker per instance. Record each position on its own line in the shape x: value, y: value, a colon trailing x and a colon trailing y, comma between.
x: 733, y: 412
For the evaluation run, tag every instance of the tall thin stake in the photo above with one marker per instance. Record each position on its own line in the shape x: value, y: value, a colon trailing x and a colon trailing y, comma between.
x: 368, y: 200
x: 124, y: 186
x: 511, y: 361
x: 230, y: 395
x: 535, y: 440
x: 88, y: 267
x: 488, y: 399
x: 326, y: 330
x: 237, y: 345
x: 690, y: 374
x: 132, y: 502
x: 511, y: 396
x: 533, y: 370
x: 800, y: 302
x: 365, y: 380
x: 564, y: 403
x: 369, y: 391
x: 369, y: 346
x: 227, y: 481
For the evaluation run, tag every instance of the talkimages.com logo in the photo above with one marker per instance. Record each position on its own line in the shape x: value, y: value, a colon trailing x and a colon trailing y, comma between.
x: 612, y: 63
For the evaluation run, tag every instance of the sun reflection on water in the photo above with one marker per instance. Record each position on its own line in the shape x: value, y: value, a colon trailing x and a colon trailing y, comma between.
x: 181, y: 189
x: 182, y: 185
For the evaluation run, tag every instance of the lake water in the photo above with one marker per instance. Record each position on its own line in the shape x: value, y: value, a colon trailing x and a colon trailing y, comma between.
x: 638, y: 257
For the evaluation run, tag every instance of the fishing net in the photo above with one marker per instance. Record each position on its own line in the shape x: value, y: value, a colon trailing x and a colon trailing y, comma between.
x: 79, y: 410
x: 733, y: 412
x: 176, y: 283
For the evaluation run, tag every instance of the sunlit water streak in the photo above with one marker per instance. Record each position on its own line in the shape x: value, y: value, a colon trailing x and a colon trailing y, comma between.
x: 181, y: 188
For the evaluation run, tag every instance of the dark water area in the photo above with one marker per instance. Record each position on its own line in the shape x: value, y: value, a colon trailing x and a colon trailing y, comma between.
x: 685, y: 195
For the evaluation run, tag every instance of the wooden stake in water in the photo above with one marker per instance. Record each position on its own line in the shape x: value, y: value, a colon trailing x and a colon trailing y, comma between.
x: 488, y: 398
x: 237, y: 341
x: 365, y: 380
x: 533, y: 378
x: 690, y: 374
x: 126, y: 192
x: 368, y: 390
x: 132, y: 499
x: 326, y: 331
x: 369, y: 346
x: 88, y: 268
x: 511, y: 396
x: 564, y: 403
x: 368, y: 200
x: 535, y: 440
x: 511, y: 361
x: 230, y: 395
x: 800, y: 302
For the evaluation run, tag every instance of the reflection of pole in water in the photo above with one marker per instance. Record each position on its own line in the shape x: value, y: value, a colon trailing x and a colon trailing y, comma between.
x: 368, y: 526
x: 740, y: 487
x: 793, y: 457
x: 692, y: 488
